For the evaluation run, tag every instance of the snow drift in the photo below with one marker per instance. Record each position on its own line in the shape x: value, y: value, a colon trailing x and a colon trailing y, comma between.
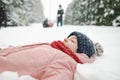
x: 104, y: 67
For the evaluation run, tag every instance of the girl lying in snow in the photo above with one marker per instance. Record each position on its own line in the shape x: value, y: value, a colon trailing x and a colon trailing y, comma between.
x: 54, y: 61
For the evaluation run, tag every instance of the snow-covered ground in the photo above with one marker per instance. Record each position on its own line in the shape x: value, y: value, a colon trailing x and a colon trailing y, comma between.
x: 104, y: 68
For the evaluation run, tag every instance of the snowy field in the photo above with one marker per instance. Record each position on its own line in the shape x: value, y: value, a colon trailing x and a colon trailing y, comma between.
x: 106, y: 67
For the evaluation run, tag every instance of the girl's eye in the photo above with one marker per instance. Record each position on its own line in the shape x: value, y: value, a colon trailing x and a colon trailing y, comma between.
x: 72, y: 41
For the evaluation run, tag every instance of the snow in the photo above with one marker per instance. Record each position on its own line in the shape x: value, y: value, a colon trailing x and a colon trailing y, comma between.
x: 8, y: 75
x: 104, y: 67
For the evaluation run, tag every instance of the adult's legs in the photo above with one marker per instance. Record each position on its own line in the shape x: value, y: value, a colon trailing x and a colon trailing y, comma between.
x: 58, y: 21
x: 61, y: 23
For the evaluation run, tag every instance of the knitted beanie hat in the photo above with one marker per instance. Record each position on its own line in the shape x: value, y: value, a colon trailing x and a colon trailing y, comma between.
x: 85, y: 45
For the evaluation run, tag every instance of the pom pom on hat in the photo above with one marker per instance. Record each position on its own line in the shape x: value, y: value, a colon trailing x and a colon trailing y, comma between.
x: 99, y: 49
x: 85, y: 44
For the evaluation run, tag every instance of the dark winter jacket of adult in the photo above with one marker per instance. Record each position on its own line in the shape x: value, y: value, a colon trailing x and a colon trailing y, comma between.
x: 60, y: 14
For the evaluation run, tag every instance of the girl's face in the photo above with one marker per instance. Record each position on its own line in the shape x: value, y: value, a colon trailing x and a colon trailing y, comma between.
x: 71, y: 42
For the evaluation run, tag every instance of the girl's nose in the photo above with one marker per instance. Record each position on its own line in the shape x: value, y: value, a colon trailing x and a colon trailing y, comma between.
x: 65, y: 39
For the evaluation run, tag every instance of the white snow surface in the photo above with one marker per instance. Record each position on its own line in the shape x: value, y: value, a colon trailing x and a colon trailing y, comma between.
x: 106, y: 67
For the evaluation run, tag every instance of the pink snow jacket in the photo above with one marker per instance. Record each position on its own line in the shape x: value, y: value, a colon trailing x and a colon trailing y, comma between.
x: 40, y: 61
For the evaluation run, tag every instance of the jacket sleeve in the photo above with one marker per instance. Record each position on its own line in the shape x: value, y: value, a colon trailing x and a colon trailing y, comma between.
x: 62, y: 12
x: 62, y: 67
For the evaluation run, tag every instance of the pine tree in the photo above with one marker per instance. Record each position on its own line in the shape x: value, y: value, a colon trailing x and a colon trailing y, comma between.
x: 21, y: 12
x: 97, y: 12
x: 3, y: 15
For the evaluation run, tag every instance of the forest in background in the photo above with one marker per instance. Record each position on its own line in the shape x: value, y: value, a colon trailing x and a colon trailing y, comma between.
x: 93, y: 12
x: 78, y: 12
x: 20, y: 12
